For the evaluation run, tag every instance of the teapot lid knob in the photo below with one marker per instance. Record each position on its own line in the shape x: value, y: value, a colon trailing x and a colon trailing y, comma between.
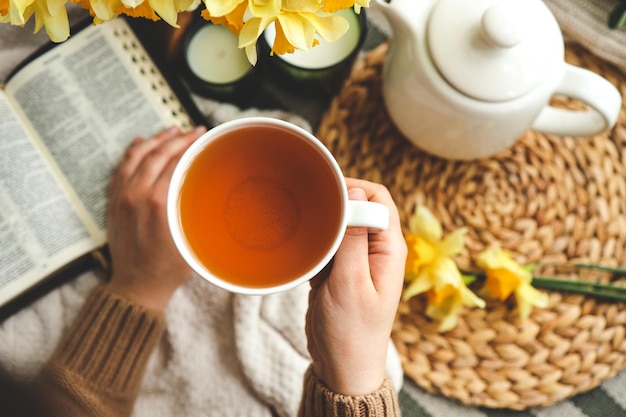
x: 501, y: 25
x: 485, y: 50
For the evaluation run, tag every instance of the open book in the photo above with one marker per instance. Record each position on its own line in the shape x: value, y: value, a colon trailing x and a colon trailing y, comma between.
x: 66, y: 117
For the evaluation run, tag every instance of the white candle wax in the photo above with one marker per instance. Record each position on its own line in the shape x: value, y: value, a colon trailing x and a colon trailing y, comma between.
x: 325, y: 54
x: 213, y: 55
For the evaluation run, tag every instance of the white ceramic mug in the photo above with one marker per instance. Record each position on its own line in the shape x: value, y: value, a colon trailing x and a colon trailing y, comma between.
x: 259, y: 205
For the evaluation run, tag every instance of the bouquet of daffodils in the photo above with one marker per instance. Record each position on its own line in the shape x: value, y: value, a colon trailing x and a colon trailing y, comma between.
x: 432, y: 272
x: 297, y: 21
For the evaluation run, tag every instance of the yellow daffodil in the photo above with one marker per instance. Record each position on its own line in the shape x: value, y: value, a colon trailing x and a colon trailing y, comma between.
x: 16, y: 12
x: 429, y: 262
x: 52, y: 16
x: 296, y: 22
x: 232, y: 20
x: 430, y: 268
x: 504, y: 277
x: 49, y: 14
x: 446, y: 303
x: 219, y: 8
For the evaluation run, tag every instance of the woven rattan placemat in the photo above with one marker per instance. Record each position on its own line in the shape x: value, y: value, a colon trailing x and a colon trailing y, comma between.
x: 549, y: 199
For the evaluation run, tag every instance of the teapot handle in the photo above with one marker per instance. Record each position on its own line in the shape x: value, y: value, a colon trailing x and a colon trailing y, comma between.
x: 593, y: 90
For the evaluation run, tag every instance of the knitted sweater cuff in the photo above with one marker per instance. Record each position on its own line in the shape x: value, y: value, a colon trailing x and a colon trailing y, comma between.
x: 110, y: 342
x: 317, y: 400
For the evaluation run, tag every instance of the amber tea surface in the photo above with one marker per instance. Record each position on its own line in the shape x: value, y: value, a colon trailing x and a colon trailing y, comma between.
x: 260, y: 206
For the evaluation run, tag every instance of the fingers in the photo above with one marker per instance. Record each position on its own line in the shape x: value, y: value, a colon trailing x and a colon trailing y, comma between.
x: 378, y: 193
x: 166, y: 153
x: 351, y: 260
x: 138, y: 150
x: 387, y: 249
x: 145, y: 161
x: 162, y: 178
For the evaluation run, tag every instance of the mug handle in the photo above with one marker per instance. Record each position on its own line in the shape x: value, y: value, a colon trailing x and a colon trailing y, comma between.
x: 593, y: 90
x: 370, y: 214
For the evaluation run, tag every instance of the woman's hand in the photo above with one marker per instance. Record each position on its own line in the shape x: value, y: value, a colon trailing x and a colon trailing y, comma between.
x: 353, y: 303
x: 146, y: 266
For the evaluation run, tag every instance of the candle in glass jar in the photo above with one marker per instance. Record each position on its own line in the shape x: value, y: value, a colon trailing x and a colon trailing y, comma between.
x: 325, y: 54
x: 213, y: 55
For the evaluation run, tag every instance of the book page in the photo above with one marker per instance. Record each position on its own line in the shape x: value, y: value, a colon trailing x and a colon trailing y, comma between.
x: 86, y: 100
x: 39, y: 230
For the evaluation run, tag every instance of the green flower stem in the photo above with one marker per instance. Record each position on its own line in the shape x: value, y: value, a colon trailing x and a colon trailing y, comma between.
x: 595, y: 289
x: 612, y: 292
x: 611, y: 269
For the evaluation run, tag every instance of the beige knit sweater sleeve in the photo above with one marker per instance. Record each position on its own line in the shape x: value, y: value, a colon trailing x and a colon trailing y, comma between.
x: 98, y: 367
x: 318, y: 401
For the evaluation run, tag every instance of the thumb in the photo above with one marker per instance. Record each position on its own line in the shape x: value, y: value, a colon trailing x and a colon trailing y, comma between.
x: 351, y: 260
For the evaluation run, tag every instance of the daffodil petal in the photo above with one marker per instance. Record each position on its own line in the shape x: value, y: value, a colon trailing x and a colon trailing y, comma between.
x: 56, y: 6
x: 526, y: 297
x: 361, y: 3
x: 449, y: 322
x: 267, y: 9
x: 301, y: 6
x: 132, y: 3
x: 281, y: 44
x: 436, y: 296
x: 445, y: 272
x: 103, y: 9
x: 251, y: 54
x: 470, y: 299
x: 233, y: 20
x: 57, y: 27
x: 166, y: 11
x: 424, y: 224
x: 497, y: 258
x: 38, y: 20
x: 454, y: 242
x: 447, y: 313
x: 298, y: 30
x: 221, y: 7
x: 251, y: 31
x: 17, y: 11
x: 420, y: 253
x: 418, y: 285
x: 330, y: 28
x: 504, y: 275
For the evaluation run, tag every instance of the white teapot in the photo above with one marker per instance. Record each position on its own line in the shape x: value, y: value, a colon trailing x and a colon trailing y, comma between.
x: 464, y: 79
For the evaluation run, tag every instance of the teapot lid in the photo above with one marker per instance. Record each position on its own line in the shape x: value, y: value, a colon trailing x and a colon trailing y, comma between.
x: 494, y: 50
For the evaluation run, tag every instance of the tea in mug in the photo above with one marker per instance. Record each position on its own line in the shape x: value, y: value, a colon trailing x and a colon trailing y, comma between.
x: 260, y: 206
